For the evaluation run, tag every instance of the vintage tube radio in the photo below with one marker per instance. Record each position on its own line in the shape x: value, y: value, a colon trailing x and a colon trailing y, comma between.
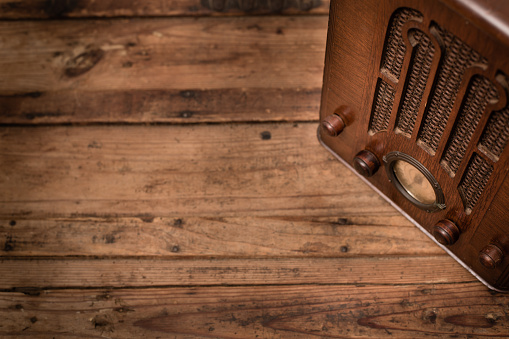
x: 416, y: 101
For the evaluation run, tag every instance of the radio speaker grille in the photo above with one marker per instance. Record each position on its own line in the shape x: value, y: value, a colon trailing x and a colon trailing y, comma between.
x: 457, y: 90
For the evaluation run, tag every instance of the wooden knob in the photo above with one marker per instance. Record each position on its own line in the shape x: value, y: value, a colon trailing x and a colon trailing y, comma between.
x: 446, y: 232
x: 333, y: 125
x: 366, y: 163
x: 491, y: 256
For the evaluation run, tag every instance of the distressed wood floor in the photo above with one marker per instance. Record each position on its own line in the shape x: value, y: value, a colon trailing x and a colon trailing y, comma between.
x: 160, y: 177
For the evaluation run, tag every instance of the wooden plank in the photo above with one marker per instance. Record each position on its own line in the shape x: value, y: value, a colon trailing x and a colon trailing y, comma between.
x: 16, y: 9
x: 411, y: 311
x: 176, y: 171
x: 162, y: 70
x: 352, y: 235
x: 162, y: 106
x: 79, y: 273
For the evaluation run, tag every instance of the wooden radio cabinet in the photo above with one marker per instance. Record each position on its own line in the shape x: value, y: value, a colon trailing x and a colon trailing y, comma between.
x: 416, y: 100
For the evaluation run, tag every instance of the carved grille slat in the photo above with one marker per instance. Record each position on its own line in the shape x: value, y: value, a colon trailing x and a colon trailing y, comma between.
x: 480, y: 92
x: 496, y: 134
x: 392, y: 62
x: 395, y: 48
x: 457, y: 58
x: 474, y: 181
x: 382, y: 107
x: 417, y: 79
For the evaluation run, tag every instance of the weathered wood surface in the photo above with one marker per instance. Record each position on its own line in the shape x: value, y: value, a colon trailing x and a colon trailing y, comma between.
x: 77, y: 273
x: 176, y: 171
x: 121, y: 217
x: 253, y: 237
x: 162, y: 70
x: 462, y: 310
x: 162, y: 106
x: 39, y: 9
x: 51, y: 167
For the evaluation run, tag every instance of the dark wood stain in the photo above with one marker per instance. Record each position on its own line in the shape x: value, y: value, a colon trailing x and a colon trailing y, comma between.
x: 111, y: 106
x: 54, y: 9
x: 29, y: 291
x: 34, y: 95
x: 470, y: 320
x: 83, y: 62
x: 249, y: 5
x: 59, y: 8
x: 9, y: 244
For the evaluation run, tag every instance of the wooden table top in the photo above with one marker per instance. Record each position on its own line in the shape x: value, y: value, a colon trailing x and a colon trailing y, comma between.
x: 160, y: 177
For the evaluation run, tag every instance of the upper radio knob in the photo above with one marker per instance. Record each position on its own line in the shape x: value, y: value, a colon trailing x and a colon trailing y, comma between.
x: 333, y: 125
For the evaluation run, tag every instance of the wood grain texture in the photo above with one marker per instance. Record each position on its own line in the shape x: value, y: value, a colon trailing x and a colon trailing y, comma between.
x: 162, y: 70
x: 162, y: 106
x: 77, y: 272
x: 408, y: 311
x: 176, y: 171
x: 42, y: 9
x: 252, y: 237
x: 124, y: 215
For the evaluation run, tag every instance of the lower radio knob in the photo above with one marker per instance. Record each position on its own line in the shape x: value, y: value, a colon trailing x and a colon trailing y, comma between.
x: 366, y: 163
x: 446, y: 232
x: 333, y: 125
x: 491, y: 256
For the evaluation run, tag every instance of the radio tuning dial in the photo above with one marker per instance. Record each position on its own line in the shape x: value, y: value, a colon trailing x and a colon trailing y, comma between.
x: 366, y: 163
x: 446, y: 232
x: 491, y: 256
